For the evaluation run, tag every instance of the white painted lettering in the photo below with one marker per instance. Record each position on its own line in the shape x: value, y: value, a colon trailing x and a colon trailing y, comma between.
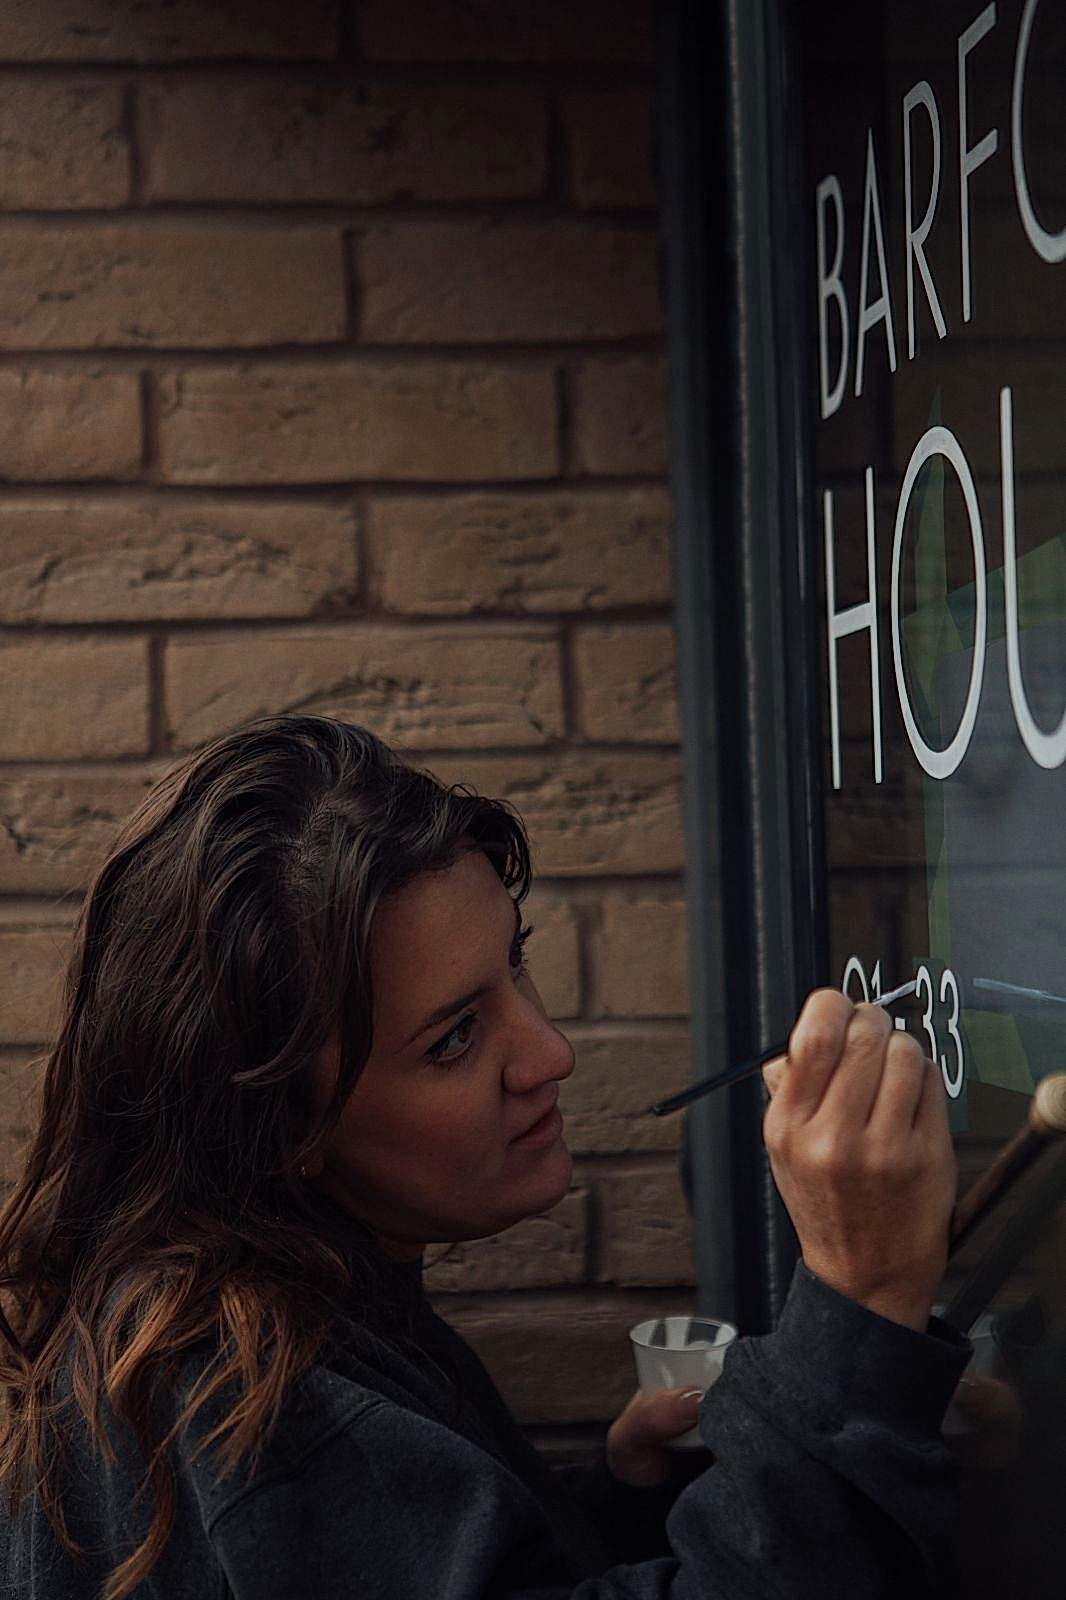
x: 831, y: 288
x: 1047, y: 749
x: 879, y: 310
x: 971, y: 157
x: 852, y: 620
x: 1050, y: 246
x: 941, y: 763
x: 921, y: 95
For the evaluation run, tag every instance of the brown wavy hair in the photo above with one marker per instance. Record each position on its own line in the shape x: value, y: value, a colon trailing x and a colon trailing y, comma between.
x: 222, y: 944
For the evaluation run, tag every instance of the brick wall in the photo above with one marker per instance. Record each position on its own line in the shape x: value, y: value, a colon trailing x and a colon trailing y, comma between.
x: 331, y: 378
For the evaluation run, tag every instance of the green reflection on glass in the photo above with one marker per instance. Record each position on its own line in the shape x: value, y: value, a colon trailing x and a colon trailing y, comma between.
x: 1011, y: 1052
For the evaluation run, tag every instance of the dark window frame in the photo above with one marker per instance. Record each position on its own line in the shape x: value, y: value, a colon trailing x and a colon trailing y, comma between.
x: 735, y: 272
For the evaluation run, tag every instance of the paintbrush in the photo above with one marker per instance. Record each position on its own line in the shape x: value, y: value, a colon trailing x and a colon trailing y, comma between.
x: 1045, y: 1124
x: 748, y: 1069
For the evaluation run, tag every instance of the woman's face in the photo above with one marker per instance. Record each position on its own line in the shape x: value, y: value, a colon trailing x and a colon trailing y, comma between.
x: 464, y: 1062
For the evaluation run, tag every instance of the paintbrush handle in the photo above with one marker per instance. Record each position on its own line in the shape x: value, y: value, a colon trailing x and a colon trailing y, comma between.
x: 721, y: 1080
x: 747, y: 1069
x: 1046, y: 1122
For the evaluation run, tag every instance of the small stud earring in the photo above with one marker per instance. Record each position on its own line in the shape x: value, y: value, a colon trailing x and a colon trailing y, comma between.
x: 303, y: 1171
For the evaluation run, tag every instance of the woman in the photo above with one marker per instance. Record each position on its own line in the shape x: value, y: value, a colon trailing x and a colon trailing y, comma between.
x: 301, y: 1043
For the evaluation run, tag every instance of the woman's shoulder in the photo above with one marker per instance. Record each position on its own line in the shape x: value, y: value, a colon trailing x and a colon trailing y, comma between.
x: 322, y: 1398
x: 359, y: 1387
x: 340, y: 1423
x: 313, y: 1408
x: 365, y: 1382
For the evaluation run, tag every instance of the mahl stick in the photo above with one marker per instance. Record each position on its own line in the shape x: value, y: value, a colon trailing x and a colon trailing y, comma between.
x: 1046, y: 1123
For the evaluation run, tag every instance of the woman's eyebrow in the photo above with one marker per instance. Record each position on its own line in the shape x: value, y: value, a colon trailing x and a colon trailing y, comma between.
x: 450, y: 1007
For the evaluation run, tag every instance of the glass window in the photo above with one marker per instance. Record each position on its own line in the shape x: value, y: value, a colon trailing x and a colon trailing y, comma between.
x: 935, y: 153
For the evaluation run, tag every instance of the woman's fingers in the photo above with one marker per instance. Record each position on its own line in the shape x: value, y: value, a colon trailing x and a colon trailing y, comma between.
x: 904, y: 1081
x: 814, y: 1049
x: 931, y: 1117
x: 831, y: 1030
x: 636, y: 1440
x: 858, y: 1141
x: 852, y: 1091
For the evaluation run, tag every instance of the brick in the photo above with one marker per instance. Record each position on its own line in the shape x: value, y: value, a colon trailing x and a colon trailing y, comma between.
x: 641, y: 952
x: 458, y: 282
x: 619, y: 1073
x: 55, y: 829
x: 562, y: 1357
x: 587, y: 813
x: 607, y: 137
x: 619, y: 416
x: 537, y: 1253
x: 167, y: 30
x: 173, y: 557
x: 525, y: 31
x: 522, y: 553
x: 646, y: 1235
x: 627, y: 683
x: 434, y: 688
x: 32, y: 964
x: 195, y: 285
x: 67, y: 698
x: 69, y: 425
x: 449, y: 421
x: 297, y: 140
x: 64, y: 145
x: 20, y: 1077
x: 553, y: 954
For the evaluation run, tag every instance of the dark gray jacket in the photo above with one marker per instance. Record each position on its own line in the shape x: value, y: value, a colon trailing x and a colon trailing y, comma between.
x: 830, y: 1481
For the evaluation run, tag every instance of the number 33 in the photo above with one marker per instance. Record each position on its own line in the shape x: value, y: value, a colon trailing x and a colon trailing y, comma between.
x: 949, y: 989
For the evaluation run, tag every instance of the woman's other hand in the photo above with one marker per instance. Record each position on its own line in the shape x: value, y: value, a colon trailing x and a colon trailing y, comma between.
x: 636, y: 1441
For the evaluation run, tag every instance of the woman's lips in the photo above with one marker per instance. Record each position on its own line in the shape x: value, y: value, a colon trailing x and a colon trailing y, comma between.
x: 546, y: 1131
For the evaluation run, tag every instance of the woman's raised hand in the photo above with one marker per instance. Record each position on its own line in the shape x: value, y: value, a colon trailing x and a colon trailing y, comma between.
x: 857, y: 1134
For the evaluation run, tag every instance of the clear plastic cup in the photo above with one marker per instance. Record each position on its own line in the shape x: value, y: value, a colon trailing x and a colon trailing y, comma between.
x: 673, y: 1350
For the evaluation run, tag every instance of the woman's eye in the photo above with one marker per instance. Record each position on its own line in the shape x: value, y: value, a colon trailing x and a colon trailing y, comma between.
x: 455, y: 1042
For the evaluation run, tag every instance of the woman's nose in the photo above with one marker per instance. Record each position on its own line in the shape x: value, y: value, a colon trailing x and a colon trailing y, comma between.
x: 539, y: 1053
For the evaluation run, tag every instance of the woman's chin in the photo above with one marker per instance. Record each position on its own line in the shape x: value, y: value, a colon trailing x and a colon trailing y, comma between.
x: 552, y: 1181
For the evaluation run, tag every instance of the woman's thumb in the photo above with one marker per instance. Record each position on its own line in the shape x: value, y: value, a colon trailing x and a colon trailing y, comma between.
x: 666, y: 1413
x: 773, y: 1072
x: 688, y: 1404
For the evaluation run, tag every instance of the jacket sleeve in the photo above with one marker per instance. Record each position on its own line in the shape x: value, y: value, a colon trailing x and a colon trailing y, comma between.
x: 830, y: 1479
x: 831, y: 1475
